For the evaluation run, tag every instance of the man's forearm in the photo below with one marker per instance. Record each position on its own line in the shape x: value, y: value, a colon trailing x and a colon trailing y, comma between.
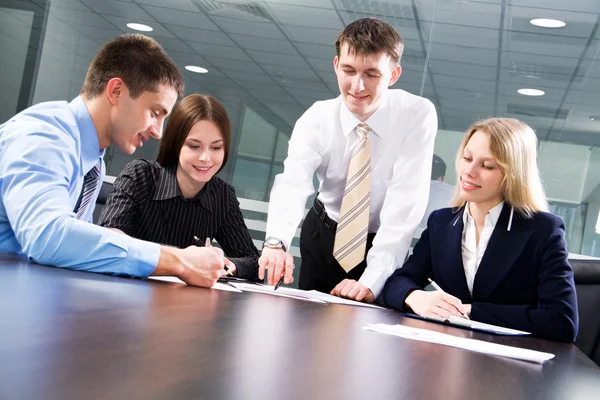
x: 169, y: 263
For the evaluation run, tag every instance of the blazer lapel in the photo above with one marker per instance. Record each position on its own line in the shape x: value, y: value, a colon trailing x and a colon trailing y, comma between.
x: 448, y: 253
x: 502, y: 251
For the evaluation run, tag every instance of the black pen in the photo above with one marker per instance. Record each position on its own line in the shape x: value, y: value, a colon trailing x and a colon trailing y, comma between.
x: 281, y: 280
x: 279, y: 283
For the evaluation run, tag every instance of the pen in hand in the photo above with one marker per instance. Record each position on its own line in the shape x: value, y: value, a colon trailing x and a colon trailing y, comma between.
x: 207, y: 244
x: 437, y: 287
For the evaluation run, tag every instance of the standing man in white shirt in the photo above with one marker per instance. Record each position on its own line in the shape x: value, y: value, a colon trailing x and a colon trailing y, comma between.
x: 371, y: 149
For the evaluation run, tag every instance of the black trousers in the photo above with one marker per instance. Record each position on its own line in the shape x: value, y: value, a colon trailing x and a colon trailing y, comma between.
x: 320, y: 270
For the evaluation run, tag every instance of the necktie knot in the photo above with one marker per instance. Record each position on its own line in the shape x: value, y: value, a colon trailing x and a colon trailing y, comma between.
x: 362, y: 130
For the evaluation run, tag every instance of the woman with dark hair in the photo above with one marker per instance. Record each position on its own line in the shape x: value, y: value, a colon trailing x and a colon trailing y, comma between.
x: 178, y: 197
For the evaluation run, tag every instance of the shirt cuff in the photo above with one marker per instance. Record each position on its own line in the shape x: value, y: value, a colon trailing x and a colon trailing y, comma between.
x: 142, y: 258
x: 374, y: 279
x: 247, y: 267
x: 286, y: 235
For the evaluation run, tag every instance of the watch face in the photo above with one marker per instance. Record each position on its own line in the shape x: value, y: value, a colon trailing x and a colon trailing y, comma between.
x: 272, y: 242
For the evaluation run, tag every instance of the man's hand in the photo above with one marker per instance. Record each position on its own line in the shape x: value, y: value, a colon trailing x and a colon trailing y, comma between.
x: 197, y: 266
x: 279, y: 263
x: 435, y: 304
x: 351, y: 289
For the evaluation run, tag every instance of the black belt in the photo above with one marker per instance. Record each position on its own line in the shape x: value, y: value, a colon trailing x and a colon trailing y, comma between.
x: 322, y: 213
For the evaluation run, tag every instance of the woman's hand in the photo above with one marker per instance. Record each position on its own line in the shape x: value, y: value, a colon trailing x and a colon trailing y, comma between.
x: 435, y: 304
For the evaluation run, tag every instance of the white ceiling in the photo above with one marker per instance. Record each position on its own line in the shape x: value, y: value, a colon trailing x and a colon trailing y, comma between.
x: 276, y: 55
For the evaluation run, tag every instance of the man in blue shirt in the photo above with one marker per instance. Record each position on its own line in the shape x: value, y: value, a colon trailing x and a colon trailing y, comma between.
x: 51, y: 166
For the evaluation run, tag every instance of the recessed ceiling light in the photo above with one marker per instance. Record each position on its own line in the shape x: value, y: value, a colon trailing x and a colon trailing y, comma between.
x: 198, y: 70
x: 140, y: 27
x: 595, y: 117
x: 547, y: 23
x: 531, y: 92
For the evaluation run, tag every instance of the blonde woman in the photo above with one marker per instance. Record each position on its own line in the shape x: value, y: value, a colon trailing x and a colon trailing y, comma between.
x: 498, y: 255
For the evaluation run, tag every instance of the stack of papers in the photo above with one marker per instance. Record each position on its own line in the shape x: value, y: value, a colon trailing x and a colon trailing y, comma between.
x: 217, y: 286
x: 251, y: 287
x: 328, y: 298
x: 480, y: 326
x: 478, y: 346
x: 241, y: 285
x: 474, y: 325
x: 307, y: 295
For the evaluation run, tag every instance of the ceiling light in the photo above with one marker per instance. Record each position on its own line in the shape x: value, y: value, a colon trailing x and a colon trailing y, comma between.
x: 140, y: 27
x: 198, y: 70
x: 595, y: 117
x: 547, y: 23
x: 531, y: 92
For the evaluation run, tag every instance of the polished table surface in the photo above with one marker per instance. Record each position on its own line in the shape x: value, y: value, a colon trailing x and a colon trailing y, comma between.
x: 77, y: 335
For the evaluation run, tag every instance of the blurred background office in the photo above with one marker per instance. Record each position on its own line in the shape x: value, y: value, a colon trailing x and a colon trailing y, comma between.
x: 269, y: 60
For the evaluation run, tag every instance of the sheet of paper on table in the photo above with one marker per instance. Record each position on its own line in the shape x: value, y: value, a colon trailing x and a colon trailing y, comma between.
x: 478, y: 346
x: 217, y: 286
x: 308, y: 295
x: 252, y: 287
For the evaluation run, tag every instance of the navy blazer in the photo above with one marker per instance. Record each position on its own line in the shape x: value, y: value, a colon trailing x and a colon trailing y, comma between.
x: 524, y: 280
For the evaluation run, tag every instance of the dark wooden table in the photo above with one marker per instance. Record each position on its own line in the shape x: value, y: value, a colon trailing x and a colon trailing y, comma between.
x: 76, y: 335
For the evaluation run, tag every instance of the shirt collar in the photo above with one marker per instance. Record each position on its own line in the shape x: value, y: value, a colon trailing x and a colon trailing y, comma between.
x: 492, y: 217
x: 168, y: 188
x: 90, y: 145
x: 377, y: 121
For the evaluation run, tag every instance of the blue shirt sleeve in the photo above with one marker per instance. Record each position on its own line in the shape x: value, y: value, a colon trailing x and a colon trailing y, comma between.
x: 37, y: 170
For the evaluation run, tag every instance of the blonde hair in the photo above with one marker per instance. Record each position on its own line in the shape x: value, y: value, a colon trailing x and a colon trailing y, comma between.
x: 513, y: 145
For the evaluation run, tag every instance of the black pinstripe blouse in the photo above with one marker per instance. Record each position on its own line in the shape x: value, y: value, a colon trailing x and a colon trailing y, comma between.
x: 147, y: 203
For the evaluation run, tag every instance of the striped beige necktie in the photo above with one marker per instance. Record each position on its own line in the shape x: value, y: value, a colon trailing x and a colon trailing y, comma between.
x: 351, y: 235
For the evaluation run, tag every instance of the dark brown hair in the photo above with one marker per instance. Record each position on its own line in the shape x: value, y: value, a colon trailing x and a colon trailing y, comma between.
x: 193, y: 108
x: 368, y: 36
x: 138, y: 60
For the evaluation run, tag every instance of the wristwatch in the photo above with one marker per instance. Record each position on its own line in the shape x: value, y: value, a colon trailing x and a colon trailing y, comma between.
x: 274, y: 243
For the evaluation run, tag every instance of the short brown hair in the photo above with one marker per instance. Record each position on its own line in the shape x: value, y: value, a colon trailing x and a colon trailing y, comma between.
x: 193, y: 108
x: 513, y: 144
x: 138, y: 60
x: 370, y: 36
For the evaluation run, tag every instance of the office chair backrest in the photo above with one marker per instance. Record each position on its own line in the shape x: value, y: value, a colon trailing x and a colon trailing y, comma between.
x: 587, y: 284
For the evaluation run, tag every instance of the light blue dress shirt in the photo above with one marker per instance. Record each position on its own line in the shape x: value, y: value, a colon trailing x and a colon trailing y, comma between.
x: 45, y: 151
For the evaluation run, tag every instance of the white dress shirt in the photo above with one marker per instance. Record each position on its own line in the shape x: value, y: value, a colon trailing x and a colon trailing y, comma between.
x: 471, y: 251
x: 402, y: 139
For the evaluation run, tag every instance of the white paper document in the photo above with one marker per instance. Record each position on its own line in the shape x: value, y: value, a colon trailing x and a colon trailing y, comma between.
x: 308, y: 295
x: 478, y: 346
x: 480, y: 326
x: 281, y: 292
x: 470, y: 324
x: 217, y: 286
x: 334, y: 299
